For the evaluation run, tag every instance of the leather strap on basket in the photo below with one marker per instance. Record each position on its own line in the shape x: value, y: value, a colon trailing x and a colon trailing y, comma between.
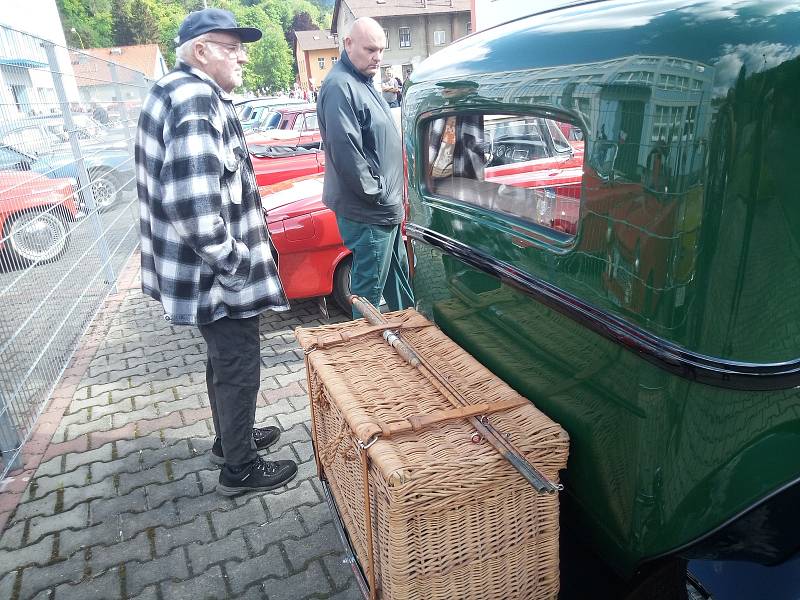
x: 419, y: 422
x: 373, y: 592
x: 341, y: 337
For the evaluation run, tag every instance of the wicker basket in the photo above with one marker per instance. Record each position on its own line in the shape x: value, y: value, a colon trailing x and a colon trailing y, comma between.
x: 450, y: 518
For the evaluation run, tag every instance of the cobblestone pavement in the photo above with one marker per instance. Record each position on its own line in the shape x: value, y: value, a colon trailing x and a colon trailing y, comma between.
x: 122, y: 502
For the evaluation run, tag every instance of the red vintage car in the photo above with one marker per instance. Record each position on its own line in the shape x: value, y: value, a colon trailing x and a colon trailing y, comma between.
x: 34, y: 216
x: 288, y: 125
x: 274, y: 163
x: 313, y: 260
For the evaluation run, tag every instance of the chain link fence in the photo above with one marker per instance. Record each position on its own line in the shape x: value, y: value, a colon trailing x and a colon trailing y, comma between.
x: 68, y: 219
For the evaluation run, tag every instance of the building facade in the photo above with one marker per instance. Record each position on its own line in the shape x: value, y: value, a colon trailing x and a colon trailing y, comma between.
x: 316, y: 52
x: 414, y: 29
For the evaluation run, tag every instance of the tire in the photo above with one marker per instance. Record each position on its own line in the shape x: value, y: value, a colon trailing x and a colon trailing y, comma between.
x: 34, y: 236
x: 105, y: 189
x: 341, y: 285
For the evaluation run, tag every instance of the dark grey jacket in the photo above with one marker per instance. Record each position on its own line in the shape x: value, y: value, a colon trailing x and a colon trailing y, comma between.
x: 363, y: 161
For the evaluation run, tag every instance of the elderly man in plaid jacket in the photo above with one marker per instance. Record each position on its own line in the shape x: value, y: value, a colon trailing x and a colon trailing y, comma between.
x: 205, y: 248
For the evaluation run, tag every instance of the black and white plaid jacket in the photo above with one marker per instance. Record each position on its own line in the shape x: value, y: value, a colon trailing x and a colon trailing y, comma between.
x: 205, y: 247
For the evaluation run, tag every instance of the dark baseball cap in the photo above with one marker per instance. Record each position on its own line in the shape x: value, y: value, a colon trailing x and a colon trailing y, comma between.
x: 214, y: 19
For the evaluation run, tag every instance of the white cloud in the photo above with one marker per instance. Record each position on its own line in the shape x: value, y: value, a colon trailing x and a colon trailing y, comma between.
x: 754, y: 57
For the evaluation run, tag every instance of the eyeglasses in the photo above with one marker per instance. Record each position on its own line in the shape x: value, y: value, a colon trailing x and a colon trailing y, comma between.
x: 233, y: 49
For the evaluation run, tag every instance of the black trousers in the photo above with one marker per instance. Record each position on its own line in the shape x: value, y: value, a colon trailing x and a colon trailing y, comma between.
x: 233, y: 376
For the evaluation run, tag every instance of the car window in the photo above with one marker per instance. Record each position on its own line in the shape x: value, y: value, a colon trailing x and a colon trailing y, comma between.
x: 271, y: 121
x: 299, y: 123
x: 311, y: 121
x: 520, y: 166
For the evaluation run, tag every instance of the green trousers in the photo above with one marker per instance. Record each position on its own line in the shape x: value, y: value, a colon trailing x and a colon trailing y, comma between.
x: 380, y: 263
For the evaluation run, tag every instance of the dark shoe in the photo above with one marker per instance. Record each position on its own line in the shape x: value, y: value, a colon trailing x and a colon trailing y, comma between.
x: 263, y: 437
x: 258, y: 476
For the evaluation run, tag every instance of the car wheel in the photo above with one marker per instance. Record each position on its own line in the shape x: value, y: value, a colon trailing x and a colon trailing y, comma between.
x: 341, y: 285
x: 104, y: 189
x: 34, y: 237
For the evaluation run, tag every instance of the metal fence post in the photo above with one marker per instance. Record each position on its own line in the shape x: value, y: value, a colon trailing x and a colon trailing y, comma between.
x: 9, y: 436
x: 83, y: 174
x: 123, y: 110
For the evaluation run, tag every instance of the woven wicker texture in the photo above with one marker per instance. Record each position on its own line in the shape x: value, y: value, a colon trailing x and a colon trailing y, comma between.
x: 451, y: 518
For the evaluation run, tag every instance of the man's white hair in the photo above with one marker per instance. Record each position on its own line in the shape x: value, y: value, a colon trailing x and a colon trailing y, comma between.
x: 185, y: 52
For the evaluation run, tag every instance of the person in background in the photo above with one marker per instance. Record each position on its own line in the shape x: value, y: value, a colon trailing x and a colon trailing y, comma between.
x: 363, y: 182
x: 389, y: 89
x: 205, y: 249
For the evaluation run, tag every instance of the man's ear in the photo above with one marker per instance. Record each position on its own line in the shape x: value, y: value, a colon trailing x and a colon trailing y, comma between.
x: 200, y: 51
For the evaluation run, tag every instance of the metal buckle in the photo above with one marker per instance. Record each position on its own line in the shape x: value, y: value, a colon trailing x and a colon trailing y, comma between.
x: 369, y: 443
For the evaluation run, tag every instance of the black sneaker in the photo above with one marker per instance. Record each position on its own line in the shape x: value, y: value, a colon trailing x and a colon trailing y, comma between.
x: 258, y: 476
x: 263, y: 437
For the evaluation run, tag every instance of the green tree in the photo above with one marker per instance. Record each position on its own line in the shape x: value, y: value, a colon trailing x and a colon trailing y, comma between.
x: 135, y: 22
x: 91, y: 20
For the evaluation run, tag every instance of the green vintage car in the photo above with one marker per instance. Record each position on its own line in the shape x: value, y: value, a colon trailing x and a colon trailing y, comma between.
x: 604, y: 210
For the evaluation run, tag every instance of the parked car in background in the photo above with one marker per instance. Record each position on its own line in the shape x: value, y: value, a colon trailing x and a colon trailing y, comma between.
x: 313, y: 260
x: 35, y: 213
x: 40, y: 144
x: 252, y: 110
x: 276, y: 163
x: 289, y: 125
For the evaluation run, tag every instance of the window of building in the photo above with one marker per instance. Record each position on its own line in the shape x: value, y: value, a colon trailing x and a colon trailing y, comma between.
x: 405, y: 37
x: 439, y: 37
x: 334, y: 59
x: 689, y: 123
x: 505, y: 164
x: 666, y: 121
x: 468, y: 28
x: 386, y: 33
x: 321, y: 62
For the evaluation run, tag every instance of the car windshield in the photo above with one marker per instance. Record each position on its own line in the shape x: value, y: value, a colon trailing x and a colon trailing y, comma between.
x: 271, y: 121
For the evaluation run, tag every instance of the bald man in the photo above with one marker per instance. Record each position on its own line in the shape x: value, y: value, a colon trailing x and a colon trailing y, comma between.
x: 364, y: 169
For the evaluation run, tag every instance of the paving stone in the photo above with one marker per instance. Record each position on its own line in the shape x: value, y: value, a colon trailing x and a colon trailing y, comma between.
x: 47, y: 484
x: 136, y: 548
x: 169, y: 567
x: 226, y: 521
x: 188, y: 508
x: 177, y: 451
x: 38, y: 553
x: 209, y: 478
x: 93, y: 491
x: 310, y: 581
x: 94, y: 426
x: 74, y: 460
x: 292, y: 436
x: 208, y: 585
x: 107, y: 585
x: 350, y: 593
x: 181, y: 468
x: 148, y: 593
x: 338, y: 567
x: 7, y: 584
x: 260, y: 536
x: 194, y: 531
x: 307, y: 548
x: 159, y: 493
x: 315, y: 516
x: 44, y: 595
x: 36, y: 579
x: 74, y: 518
x: 156, y: 474
x: 106, y: 533
x: 104, y: 509
x: 35, y: 508
x: 127, y: 447
x: 291, y: 419
x: 164, y: 515
x: 241, y: 575
x: 306, y: 470
x: 278, y: 503
x: 50, y: 467
x: 120, y: 419
x: 229, y: 547
x: 173, y: 405
x: 304, y: 450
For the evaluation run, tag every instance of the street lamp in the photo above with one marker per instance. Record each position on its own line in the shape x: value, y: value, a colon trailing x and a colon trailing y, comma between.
x: 80, y: 39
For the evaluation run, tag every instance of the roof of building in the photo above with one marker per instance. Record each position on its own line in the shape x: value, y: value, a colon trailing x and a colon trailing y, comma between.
x: 141, y: 58
x: 392, y: 8
x: 319, y: 39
